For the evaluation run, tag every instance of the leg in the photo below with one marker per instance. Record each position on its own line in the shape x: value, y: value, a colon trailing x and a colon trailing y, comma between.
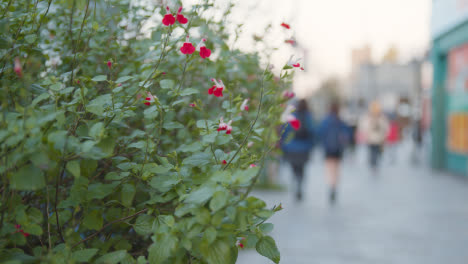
x: 299, y: 176
x: 332, y: 165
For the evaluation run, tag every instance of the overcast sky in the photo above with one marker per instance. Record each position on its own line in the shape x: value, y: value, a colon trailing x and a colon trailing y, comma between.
x: 329, y: 29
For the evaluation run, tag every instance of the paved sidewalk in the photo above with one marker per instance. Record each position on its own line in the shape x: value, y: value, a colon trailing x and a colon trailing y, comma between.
x: 408, y: 214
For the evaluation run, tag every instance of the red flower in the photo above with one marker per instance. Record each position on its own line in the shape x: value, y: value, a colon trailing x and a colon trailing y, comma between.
x: 211, y: 90
x: 17, y: 226
x: 163, y: 73
x: 149, y: 99
x: 290, y: 41
x: 188, y: 47
x: 295, y: 123
x: 224, y: 162
x: 109, y: 64
x: 192, y: 105
x: 229, y: 127
x: 239, y: 243
x: 288, y: 94
x: 285, y: 25
x: 168, y: 18
x: 17, y: 68
x: 222, y: 126
x: 120, y: 84
x: 205, y: 52
x: 24, y: 233
x: 217, y: 88
x: 252, y: 165
x: 180, y: 17
x: 244, y: 105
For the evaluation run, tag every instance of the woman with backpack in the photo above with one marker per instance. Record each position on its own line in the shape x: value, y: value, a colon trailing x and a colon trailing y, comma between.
x: 297, y: 144
x: 334, y: 135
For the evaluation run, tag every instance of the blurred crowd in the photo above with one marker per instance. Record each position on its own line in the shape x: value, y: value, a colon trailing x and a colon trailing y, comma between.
x: 336, y: 138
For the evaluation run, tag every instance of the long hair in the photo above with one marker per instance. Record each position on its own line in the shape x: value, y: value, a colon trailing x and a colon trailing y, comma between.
x: 302, y: 106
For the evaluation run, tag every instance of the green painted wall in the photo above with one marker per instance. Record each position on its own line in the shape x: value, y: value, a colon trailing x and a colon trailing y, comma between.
x: 443, y: 103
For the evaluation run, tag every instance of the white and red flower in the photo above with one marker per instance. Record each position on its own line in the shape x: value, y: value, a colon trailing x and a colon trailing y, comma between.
x: 204, y: 51
x: 294, y: 62
x: 288, y: 94
x: 180, y: 18
x: 244, y: 105
x: 217, y: 88
x: 168, y: 18
x: 222, y: 126
x: 239, y: 243
x: 287, y: 116
x: 187, y: 48
x: 17, y: 68
x: 149, y: 99
x: 229, y: 127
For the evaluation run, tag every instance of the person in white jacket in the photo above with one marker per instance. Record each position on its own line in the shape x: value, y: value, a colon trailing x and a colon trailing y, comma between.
x: 373, y: 128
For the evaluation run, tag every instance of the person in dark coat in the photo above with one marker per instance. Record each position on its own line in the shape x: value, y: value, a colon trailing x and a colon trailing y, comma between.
x: 297, y: 144
x: 334, y: 135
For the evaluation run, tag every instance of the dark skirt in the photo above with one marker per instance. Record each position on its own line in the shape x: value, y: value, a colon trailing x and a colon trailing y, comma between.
x: 296, y: 158
x: 333, y: 154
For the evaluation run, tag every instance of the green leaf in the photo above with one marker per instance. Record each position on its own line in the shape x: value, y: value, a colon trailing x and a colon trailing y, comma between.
x: 123, y: 79
x: 194, y: 147
x: 74, y: 168
x: 144, y: 224
x: 127, y: 194
x: 199, y: 159
x: 84, y: 255
x: 201, y: 195
x: 162, y: 248
x: 220, y: 252
x: 151, y: 112
x: 30, y: 38
x: 210, y: 234
x: 99, y: 78
x: 245, y: 176
x: 28, y: 178
x: 100, y: 190
x: 266, y: 247
x: 266, y: 227
x: 93, y: 220
x: 163, y: 183
x: 167, y: 84
x: 33, y: 229
x: 189, y: 91
x: 219, y: 200
x: 112, y: 258
x: 172, y: 125
x: 97, y: 131
x: 97, y: 105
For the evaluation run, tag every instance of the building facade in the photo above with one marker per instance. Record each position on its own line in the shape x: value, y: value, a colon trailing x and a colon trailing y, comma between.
x: 449, y: 55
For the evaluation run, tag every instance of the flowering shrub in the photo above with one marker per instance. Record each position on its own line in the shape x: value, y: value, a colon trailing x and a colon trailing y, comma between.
x: 112, y: 147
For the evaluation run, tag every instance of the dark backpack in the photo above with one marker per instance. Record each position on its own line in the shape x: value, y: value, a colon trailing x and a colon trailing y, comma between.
x: 302, y: 133
x: 334, y: 137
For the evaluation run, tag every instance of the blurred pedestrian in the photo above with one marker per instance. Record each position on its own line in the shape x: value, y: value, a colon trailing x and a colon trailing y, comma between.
x: 417, y: 141
x: 297, y: 144
x: 334, y: 135
x: 393, y: 137
x: 373, y: 128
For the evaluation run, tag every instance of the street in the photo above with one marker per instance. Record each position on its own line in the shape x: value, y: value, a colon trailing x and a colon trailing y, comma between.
x: 406, y: 214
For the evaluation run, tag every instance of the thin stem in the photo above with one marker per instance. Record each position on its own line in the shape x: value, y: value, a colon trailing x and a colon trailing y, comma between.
x: 108, y: 224
x: 254, y: 122
x: 79, y: 38
x: 57, y: 184
x: 47, y: 212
